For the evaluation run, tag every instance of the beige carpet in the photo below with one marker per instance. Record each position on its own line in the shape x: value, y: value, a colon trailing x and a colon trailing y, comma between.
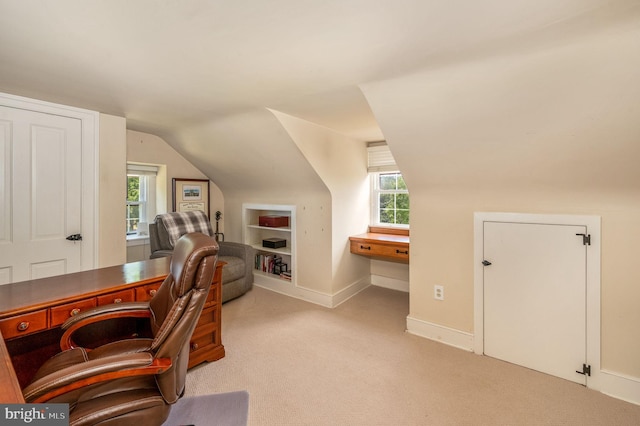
x: 355, y: 365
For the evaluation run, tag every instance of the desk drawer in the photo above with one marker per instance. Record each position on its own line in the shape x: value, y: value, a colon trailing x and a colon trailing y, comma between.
x: 199, y: 342
x: 22, y: 325
x: 398, y: 252
x: 60, y: 314
x: 211, y: 297
x: 117, y: 297
x: 146, y: 292
x: 208, y: 316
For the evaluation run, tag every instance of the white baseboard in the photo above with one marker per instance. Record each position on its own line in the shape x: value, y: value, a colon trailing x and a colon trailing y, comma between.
x: 308, y: 295
x: 347, y: 293
x: 620, y: 386
x: 296, y: 292
x: 390, y: 283
x: 448, y: 336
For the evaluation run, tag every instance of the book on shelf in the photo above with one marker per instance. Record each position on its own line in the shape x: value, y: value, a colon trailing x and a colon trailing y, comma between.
x: 270, y: 263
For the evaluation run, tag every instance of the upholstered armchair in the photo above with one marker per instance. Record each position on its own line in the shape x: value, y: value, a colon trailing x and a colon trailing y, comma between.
x: 237, y: 273
x: 133, y: 380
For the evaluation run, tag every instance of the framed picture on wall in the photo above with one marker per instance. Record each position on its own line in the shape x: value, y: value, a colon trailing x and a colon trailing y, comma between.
x: 190, y: 195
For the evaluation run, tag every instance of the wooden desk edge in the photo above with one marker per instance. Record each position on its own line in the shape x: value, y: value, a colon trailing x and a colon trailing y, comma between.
x: 151, y: 277
x: 10, y: 392
x: 381, y: 238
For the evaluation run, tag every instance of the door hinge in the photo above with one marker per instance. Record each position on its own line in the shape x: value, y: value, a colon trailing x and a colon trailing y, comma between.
x: 586, y: 370
x: 586, y: 239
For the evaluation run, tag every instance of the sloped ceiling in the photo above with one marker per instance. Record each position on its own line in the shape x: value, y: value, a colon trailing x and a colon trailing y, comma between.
x: 170, y: 65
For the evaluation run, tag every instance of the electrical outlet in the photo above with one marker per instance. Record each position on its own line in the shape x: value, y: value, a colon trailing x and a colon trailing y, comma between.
x: 438, y: 292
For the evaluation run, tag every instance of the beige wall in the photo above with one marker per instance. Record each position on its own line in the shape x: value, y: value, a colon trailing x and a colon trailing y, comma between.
x: 112, y: 181
x: 254, y: 160
x: 151, y: 149
x: 548, y: 131
x: 383, y: 270
x: 266, y: 157
x: 341, y: 163
x: 117, y: 146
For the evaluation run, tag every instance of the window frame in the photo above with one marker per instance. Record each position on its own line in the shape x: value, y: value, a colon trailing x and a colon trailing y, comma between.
x: 143, y: 187
x: 376, y: 191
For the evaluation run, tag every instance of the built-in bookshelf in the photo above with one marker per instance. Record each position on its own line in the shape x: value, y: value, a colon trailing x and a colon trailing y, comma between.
x: 272, y: 265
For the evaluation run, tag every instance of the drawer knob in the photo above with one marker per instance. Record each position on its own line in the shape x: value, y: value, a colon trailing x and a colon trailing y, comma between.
x: 194, y: 346
x: 23, y: 326
x: 152, y: 292
x: 365, y: 247
x: 74, y: 312
x: 118, y: 300
x: 402, y: 251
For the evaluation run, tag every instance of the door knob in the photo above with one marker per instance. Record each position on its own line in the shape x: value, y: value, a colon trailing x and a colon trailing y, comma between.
x: 486, y: 263
x: 74, y: 237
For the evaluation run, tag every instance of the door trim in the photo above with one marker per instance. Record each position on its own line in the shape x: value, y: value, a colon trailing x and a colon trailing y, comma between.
x: 90, y: 138
x: 593, y: 278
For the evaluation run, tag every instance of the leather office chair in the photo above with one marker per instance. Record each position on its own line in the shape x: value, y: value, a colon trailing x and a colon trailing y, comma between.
x: 133, y: 381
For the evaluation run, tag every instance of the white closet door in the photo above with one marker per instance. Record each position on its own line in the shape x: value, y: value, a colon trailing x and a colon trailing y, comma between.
x: 535, y: 296
x: 40, y: 194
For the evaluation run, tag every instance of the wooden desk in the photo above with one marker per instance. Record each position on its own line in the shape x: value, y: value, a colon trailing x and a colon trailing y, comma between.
x: 31, y: 311
x: 382, y: 243
x: 10, y: 392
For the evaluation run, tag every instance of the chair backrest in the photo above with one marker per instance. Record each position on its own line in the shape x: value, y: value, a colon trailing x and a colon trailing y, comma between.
x: 169, y: 227
x: 177, y: 305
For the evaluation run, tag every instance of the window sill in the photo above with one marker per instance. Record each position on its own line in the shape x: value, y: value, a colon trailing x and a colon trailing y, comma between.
x: 137, y: 240
x: 393, y: 230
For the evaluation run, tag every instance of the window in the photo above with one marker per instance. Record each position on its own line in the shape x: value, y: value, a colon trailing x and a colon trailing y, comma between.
x: 389, y: 193
x: 141, y: 187
x: 136, y: 202
x: 390, y: 198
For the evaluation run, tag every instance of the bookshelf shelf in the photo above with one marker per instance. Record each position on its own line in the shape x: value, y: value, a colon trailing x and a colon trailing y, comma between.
x: 269, y: 228
x: 285, y: 251
x: 254, y: 234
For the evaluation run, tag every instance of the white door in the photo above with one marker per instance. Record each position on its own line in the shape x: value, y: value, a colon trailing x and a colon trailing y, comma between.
x: 40, y: 194
x: 535, y: 296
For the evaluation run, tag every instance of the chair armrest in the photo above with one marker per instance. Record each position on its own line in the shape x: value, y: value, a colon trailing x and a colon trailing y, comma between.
x: 94, y: 371
x: 161, y: 253
x: 101, y: 313
x: 243, y: 251
x: 97, y: 312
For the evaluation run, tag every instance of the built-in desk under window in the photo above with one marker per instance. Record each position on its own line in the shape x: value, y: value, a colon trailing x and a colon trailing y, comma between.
x: 382, y: 243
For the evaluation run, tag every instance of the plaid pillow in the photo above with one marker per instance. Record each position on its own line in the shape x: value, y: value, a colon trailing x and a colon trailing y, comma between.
x: 179, y: 223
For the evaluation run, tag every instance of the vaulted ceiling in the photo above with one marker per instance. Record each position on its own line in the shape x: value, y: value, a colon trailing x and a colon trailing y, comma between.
x: 168, y: 65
